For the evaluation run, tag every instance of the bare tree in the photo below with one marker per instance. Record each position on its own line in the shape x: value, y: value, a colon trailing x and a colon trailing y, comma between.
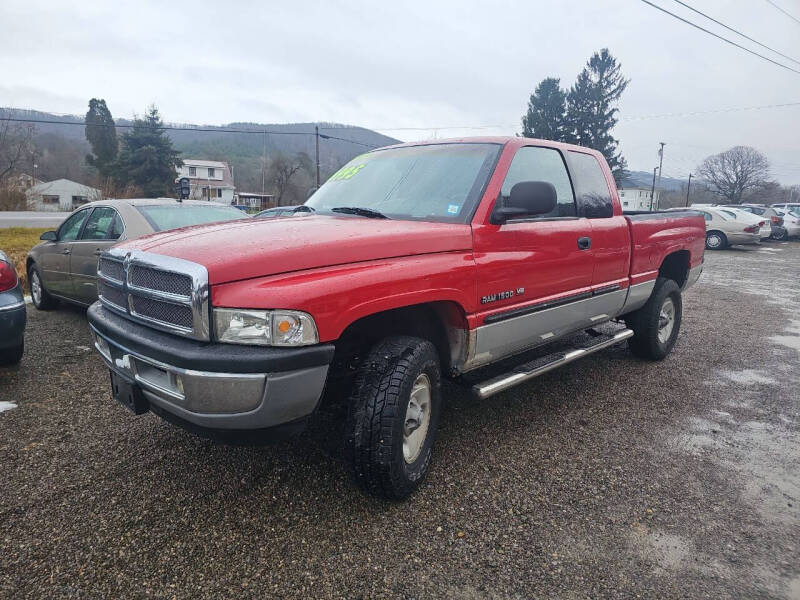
x: 735, y: 172
x: 16, y: 145
x: 282, y: 170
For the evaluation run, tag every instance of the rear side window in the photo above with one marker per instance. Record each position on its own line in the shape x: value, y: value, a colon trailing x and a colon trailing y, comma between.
x: 594, y: 198
x: 542, y: 164
x: 100, y: 224
x: 170, y: 216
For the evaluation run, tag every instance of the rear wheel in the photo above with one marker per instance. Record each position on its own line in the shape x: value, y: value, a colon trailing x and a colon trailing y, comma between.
x: 716, y: 240
x: 11, y: 356
x: 41, y: 299
x: 656, y: 325
x: 395, y: 408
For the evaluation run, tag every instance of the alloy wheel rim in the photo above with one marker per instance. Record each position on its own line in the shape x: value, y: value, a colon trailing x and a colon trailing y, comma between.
x: 666, y: 320
x: 36, y: 288
x: 714, y: 241
x: 418, y: 418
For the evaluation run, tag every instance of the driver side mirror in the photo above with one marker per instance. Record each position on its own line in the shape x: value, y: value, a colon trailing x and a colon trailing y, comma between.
x: 527, y: 199
x: 49, y: 236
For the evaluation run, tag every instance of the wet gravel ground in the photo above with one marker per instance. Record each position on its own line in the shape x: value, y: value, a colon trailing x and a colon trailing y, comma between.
x: 611, y: 477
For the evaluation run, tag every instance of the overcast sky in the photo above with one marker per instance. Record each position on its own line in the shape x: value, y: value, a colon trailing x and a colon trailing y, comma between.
x: 387, y: 65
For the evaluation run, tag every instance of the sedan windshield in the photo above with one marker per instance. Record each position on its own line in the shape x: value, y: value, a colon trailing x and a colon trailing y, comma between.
x: 172, y: 216
x: 437, y: 182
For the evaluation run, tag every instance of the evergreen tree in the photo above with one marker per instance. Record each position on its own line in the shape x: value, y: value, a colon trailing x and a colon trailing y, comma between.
x: 101, y: 135
x: 147, y: 159
x: 546, y: 112
x: 591, y: 108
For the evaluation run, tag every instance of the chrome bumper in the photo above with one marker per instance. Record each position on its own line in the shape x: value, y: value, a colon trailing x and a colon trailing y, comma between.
x: 235, y: 401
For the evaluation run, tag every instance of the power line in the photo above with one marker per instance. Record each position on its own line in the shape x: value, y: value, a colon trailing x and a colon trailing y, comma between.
x: 724, y: 39
x: 197, y: 129
x: 747, y: 37
x: 784, y: 12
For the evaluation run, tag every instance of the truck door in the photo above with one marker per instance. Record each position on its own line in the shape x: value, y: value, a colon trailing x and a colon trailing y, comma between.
x: 611, y: 241
x: 534, y: 274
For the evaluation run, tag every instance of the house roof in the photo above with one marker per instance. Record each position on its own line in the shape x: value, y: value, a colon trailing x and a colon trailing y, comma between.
x: 196, y: 162
x: 60, y: 184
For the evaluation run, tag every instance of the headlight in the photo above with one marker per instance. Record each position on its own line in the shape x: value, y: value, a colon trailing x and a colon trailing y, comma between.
x: 264, y: 327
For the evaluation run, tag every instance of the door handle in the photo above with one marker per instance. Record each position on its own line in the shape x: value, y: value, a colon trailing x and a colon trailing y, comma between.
x: 66, y: 251
x: 584, y: 243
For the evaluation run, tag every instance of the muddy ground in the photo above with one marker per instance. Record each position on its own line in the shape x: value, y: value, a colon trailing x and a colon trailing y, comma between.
x: 612, y: 477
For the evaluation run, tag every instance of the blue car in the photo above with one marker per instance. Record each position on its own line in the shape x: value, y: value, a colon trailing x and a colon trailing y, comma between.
x: 12, y: 313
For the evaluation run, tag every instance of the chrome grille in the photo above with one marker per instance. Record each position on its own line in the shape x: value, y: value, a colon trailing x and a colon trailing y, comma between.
x: 179, y: 315
x: 111, y: 294
x: 162, y: 281
x: 159, y: 291
x: 112, y: 269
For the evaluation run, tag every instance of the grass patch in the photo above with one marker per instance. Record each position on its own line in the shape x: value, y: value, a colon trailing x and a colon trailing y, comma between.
x: 16, y: 241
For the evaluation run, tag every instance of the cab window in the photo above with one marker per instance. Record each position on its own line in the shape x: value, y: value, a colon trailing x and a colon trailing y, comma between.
x: 72, y: 226
x: 591, y: 187
x: 100, y: 225
x: 542, y: 164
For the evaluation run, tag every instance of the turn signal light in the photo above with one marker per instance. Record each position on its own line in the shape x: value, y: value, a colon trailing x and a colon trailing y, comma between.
x: 8, y: 276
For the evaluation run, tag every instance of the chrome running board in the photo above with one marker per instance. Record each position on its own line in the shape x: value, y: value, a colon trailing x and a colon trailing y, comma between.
x: 537, y: 367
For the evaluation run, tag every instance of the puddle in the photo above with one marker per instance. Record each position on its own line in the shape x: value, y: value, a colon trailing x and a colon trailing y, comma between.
x: 4, y: 406
x: 667, y: 550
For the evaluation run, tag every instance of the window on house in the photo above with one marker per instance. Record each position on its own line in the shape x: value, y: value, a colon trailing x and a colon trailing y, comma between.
x: 78, y: 200
x: 219, y: 192
x: 192, y: 171
x: 205, y: 192
x: 211, y: 172
x: 50, y: 200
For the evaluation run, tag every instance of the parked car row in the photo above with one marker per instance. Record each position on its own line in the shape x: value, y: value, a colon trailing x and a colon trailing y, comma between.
x: 748, y: 223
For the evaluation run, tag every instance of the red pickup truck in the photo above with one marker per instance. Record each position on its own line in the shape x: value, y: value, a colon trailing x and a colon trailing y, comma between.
x: 488, y: 260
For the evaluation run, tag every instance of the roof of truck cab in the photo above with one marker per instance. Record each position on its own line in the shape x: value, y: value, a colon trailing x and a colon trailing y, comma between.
x: 500, y: 140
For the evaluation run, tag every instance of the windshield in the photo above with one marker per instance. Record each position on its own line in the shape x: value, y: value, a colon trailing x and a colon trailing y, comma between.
x: 441, y: 182
x: 163, y: 217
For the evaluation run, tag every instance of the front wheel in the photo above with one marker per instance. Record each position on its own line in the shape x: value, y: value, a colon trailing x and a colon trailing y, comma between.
x: 656, y: 325
x: 39, y: 296
x: 395, y: 410
x: 716, y: 240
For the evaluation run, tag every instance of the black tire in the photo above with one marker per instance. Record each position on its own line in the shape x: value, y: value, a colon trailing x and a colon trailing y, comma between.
x: 379, y: 404
x: 11, y: 356
x: 783, y: 237
x: 716, y: 240
x: 647, y: 321
x: 45, y: 301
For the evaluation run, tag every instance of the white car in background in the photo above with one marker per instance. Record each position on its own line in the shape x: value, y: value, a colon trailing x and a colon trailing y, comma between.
x: 764, y: 225
x: 724, y: 229
x: 791, y: 222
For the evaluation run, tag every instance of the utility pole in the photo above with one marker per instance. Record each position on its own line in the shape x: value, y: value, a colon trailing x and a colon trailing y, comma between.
x: 688, y: 187
x: 264, y: 166
x: 653, y: 188
x: 316, y: 133
x: 660, y: 162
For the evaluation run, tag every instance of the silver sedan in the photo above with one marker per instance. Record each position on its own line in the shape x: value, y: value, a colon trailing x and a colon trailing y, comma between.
x: 64, y: 265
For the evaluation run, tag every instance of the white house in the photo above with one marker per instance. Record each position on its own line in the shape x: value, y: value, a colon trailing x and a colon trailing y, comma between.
x: 60, y: 195
x: 637, y: 199
x: 208, y: 180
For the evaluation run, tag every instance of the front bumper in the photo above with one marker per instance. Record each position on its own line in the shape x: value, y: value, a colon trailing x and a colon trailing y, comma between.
x: 209, y: 385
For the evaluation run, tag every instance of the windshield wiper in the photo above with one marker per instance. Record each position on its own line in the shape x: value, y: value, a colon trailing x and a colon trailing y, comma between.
x: 361, y: 212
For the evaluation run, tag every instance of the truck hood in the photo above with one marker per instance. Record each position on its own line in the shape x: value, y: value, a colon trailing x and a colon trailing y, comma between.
x: 244, y: 249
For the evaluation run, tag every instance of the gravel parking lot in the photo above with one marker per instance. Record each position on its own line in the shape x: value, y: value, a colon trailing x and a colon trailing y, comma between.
x: 611, y: 477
